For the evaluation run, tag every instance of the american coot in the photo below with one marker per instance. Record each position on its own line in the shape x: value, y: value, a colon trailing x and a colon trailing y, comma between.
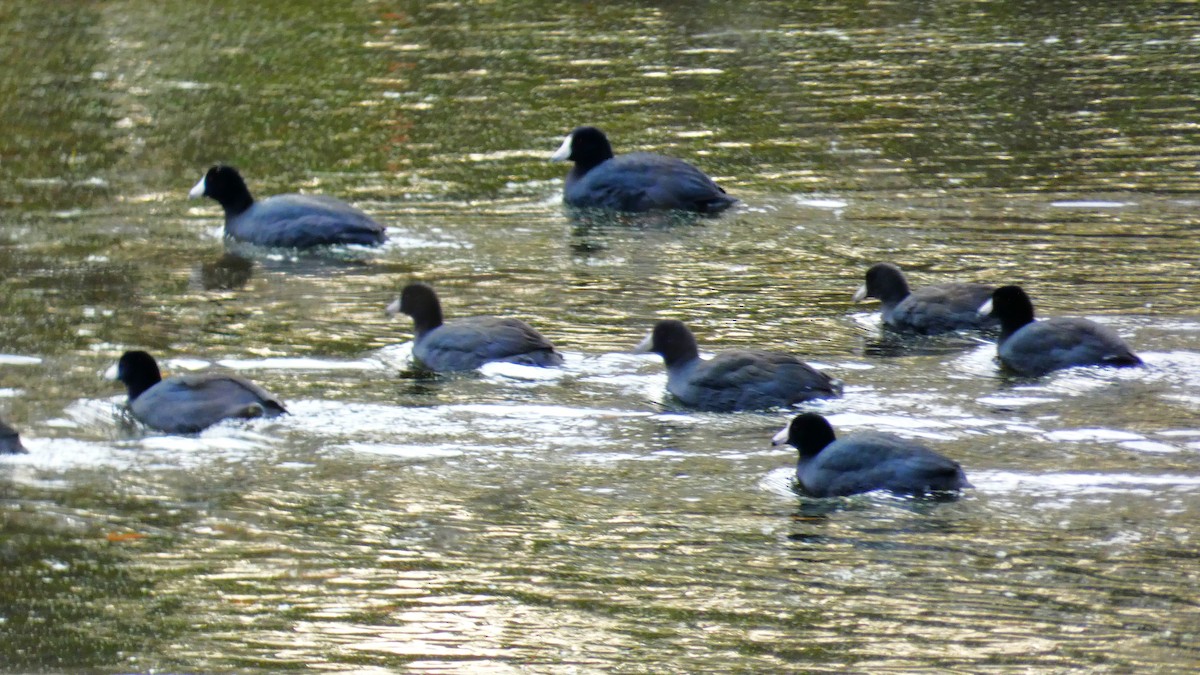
x: 829, y: 467
x: 1034, y: 348
x: 10, y: 441
x: 636, y: 182
x: 186, y: 404
x: 928, y: 310
x: 289, y: 220
x: 736, y: 379
x: 466, y: 344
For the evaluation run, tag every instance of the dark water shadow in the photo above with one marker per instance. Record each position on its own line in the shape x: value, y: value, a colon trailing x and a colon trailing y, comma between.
x: 230, y: 272
x: 420, y: 388
x: 595, y: 231
x: 416, y: 372
x: 236, y: 266
x: 303, y: 259
x: 819, y: 512
x: 891, y: 344
x: 921, y: 504
x: 602, y: 218
x: 1008, y: 379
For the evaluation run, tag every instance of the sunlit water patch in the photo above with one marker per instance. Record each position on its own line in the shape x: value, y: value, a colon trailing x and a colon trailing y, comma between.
x: 1091, y: 204
x: 475, y: 426
x: 403, y: 452
x: 1081, y: 484
x: 827, y: 203
x: 298, y: 364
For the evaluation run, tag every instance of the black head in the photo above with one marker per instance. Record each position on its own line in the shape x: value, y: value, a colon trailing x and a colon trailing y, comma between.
x: 808, y: 432
x: 225, y: 185
x: 884, y: 281
x: 419, y: 301
x: 1012, y: 306
x: 586, y: 146
x: 139, y: 371
x: 672, y: 340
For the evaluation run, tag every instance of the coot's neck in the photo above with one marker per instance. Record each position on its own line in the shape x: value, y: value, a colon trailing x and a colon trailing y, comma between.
x: 895, y: 293
x: 234, y: 210
x: 235, y: 197
x: 681, y: 351
x: 577, y: 172
x: 137, y: 383
x: 238, y: 207
x: 813, y: 443
x: 1012, y: 322
x: 595, y: 156
x: 427, y: 318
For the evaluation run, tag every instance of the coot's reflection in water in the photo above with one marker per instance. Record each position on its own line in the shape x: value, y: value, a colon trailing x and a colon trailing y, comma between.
x: 230, y: 272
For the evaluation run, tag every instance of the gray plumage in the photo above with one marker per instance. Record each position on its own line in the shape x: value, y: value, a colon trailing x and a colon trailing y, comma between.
x: 1029, y: 347
x: 287, y: 220
x: 636, y: 182
x: 734, y: 380
x: 929, y: 310
x: 864, y: 462
x: 10, y: 441
x: 186, y: 404
x: 467, y: 344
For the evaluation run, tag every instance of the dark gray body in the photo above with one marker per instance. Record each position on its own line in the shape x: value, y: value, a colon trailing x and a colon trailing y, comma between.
x: 10, y: 441
x: 942, y: 308
x: 191, y: 403
x: 640, y: 181
x: 875, y: 461
x: 1043, y: 346
x: 466, y: 344
x: 303, y: 221
x: 748, y: 380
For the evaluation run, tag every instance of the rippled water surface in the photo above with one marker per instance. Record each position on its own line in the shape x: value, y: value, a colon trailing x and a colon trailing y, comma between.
x: 578, y: 520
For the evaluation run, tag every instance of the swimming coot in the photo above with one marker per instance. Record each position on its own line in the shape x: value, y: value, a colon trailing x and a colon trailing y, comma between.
x: 186, y: 404
x: 10, y: 441
x: 466, y: 344
x: 929, y: 310
x: 636, y: 182
x: 1032, y: 348
x: 832, y: 467
x: 288, y: 220
x: 736, y: 379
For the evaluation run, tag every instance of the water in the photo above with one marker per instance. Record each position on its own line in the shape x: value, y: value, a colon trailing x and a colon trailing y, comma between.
x: 579, y: 521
